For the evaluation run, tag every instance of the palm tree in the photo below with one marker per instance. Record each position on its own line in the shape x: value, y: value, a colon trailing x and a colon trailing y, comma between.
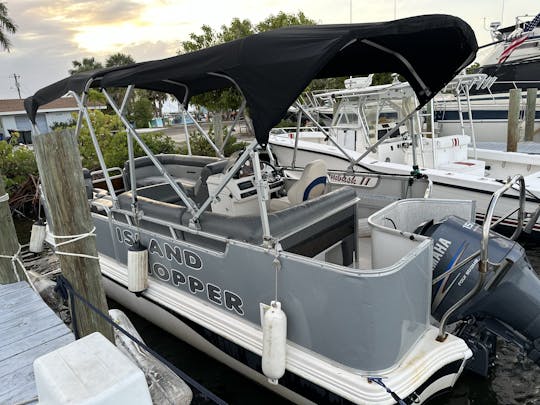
x: 119, y: 59
x: 85, y: 65
x: 6, y: 26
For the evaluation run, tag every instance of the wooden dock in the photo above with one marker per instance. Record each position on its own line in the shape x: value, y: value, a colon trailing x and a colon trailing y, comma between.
x: 28, y: 329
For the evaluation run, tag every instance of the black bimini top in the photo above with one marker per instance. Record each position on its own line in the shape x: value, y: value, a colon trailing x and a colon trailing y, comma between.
x: 271, y: 69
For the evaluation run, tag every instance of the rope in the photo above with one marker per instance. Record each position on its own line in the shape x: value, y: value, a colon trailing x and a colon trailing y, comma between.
x: 71, y: 239
x: 277, y: 267
x: 4, y: 198
x: 65, y: 290
x: 16, y: 259
x: 379, y: 381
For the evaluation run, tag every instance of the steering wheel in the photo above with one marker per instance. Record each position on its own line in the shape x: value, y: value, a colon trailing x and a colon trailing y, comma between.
x: 243, y: 171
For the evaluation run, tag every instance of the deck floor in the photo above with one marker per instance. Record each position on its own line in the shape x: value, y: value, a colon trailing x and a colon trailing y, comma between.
x: 28, y: 330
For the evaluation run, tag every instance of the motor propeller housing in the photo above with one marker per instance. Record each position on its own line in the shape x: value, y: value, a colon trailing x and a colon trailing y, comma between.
x: 507, y: 305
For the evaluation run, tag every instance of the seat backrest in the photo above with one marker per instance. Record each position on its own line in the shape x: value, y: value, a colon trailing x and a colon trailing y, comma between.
x: 200, y: 191
x: 176, y: 166
x: 312, y: 183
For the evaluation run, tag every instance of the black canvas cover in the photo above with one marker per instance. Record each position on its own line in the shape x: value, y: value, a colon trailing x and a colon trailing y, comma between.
x: 271, y: 69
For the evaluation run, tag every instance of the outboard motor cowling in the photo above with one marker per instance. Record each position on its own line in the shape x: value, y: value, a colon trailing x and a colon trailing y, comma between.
x: 507, y: 305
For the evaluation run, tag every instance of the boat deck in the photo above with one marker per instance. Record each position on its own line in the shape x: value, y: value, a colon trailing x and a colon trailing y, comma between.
x: 523, y: 147
x: 28, y: 330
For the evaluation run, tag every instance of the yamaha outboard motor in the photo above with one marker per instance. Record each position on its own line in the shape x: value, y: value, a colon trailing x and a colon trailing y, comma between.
x: 508, y: 304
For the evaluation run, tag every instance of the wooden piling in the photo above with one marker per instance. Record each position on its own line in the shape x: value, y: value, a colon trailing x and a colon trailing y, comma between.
x: 531, y: 113
x: 514, y: 99
x: 9, y: 244
x: 217, y: 126
x: 61, y: 175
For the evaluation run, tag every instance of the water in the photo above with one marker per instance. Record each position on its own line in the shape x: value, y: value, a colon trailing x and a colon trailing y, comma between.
x: 514, y: 379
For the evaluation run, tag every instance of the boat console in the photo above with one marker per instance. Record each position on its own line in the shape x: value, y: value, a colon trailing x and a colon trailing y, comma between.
x: 239, y: 197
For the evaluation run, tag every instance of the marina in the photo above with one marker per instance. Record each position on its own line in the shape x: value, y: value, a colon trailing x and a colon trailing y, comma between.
x: 364, y: 257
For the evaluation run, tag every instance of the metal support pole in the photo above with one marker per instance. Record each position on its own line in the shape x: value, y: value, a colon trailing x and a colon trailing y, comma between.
x: 186, y: 131
x: 190, y: 205
x: 228, y: 176
x: 129, y: 92
x: 460, y: 112
x: 99, y: 154
x: 469, y: 109
x: 325, y: 132
x: 203, y: 132
x: 262, y: 196
x: 235, y: 122
x: 296, y: 136
x: 384, y: 137
x: 131, y: 157
x: 270, y: 155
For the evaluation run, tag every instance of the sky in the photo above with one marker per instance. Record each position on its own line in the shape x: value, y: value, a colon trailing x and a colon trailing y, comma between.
x: 53, y: 33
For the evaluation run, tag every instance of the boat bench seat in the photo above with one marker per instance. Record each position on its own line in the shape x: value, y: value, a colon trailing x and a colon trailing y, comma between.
x: 189, y: 171
x: 182, y: 167
x: 187, y: 184
x: 289, y: 225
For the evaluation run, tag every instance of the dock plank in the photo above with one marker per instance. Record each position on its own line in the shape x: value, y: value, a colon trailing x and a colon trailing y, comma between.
x: 29, y: 329
x: 19, y: 385
x: 8, y: 288
x: 19, y: 344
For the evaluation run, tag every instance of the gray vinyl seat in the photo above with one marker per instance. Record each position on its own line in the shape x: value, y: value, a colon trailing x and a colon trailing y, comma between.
x: 184, y: 169
x: 311, y: 184
x: 300, y: 239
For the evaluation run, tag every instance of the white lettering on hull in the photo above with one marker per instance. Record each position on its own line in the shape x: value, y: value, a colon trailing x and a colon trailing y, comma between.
x: 178, y: 256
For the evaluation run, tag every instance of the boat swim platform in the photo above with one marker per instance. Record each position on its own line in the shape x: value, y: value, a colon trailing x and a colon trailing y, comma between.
x: 28, y: 329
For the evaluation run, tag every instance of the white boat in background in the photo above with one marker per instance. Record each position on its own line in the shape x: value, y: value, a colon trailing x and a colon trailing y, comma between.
x: 521, y: 70
x: 376, y: 129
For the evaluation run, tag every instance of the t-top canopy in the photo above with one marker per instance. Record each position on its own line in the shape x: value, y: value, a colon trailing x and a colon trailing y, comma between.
x: 272, y: 68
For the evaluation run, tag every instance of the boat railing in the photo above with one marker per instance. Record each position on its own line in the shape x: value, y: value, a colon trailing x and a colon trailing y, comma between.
x: 516, y: 83
x: 483, y: 261
x: 291, y: 131
x: 114, y: 173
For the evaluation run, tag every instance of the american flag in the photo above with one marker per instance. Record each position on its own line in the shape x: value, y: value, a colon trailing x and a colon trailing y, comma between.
x: 516, y: 43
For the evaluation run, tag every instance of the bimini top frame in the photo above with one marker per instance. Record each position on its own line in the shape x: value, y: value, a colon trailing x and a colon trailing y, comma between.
x: 271, y: 70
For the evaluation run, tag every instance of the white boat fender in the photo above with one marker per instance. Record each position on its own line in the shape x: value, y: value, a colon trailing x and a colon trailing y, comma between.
x: 274, y: 354
x: 37, y: 236
x: 137, y: 268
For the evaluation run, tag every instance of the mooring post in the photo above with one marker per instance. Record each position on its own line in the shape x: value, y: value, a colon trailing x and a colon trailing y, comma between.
x: 514, y: 101
x: 531, y: 113
x: 9, y: 244
x: 62, y: 180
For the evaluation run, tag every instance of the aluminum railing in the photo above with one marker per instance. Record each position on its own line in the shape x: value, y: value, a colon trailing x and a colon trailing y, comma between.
x: 484, y: 244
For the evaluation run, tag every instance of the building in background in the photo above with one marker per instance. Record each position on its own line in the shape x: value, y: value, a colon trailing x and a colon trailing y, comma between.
x: 13, y: 116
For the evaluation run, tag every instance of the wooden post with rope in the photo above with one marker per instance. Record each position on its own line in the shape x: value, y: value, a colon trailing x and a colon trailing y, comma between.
x: 9, y: 244
x: 60, y: 169
x: 514, y: 100
x: 530, y: 114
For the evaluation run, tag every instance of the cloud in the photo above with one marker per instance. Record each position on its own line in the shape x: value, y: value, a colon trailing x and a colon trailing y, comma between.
x: 54, y: 33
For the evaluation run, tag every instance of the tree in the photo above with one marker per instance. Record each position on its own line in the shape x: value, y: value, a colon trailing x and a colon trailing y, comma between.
x: 283, y: 20
x: 119, y: 59
x: 85, y: 65
x: 7, y: 26
x: 219, y: 101
x: 142, y: 112
x: 473, y: 68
